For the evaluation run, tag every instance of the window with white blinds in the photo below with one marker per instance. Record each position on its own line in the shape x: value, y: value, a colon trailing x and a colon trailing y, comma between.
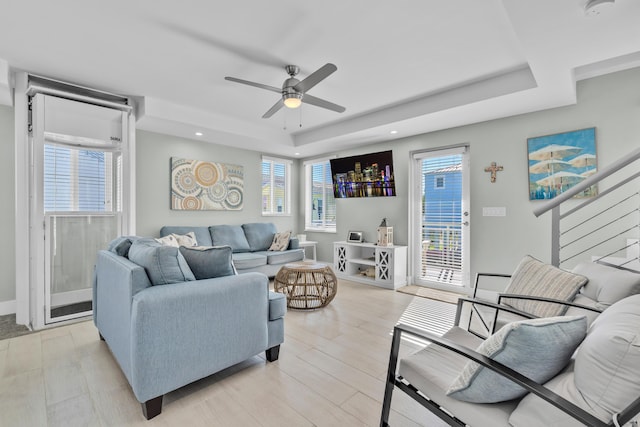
x: 77, y: 180
x: 320, y: 212
x: 276, y: 183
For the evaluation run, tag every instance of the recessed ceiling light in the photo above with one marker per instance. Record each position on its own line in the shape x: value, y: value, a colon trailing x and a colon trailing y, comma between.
x: 393, y: 132
x: 199, y: 134
x: 296, y: 154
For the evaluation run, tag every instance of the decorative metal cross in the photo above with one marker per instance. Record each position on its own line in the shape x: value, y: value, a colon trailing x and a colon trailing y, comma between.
x: 493, y: 169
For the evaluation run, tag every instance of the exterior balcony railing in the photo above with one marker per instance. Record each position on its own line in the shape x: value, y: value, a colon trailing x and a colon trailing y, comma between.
x: 441, y: 257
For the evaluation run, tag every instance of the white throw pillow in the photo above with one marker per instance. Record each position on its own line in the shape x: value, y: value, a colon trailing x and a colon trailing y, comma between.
x: 188, y: 239
x: 177, y: 240
x: 536, y: 348
x: 169, y: 240
x: 280, y: 241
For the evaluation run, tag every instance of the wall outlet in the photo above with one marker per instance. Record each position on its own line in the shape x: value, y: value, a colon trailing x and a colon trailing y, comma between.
x: 494, y: 211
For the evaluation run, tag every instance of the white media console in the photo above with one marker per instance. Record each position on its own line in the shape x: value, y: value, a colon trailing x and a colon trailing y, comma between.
x: 386, y: 265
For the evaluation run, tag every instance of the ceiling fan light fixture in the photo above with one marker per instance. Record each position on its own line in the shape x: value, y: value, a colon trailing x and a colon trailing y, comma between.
x: 292, y: 100
x: 293, y: 90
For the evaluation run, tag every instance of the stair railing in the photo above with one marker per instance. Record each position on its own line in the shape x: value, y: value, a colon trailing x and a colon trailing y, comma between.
x: 618, y: 213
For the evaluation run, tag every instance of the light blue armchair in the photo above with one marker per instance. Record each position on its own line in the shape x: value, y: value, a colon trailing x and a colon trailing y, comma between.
x: 166, y: 336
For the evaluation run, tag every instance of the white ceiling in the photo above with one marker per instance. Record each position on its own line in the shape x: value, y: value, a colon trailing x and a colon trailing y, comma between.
x: 410, y: 66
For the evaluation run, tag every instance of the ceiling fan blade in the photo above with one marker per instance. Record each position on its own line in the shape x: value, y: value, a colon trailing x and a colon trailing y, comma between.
x: 259, y: 85
x: 316, y: 77
x: 322, y: 103
x: 230, y: 46
x: 277, y: 106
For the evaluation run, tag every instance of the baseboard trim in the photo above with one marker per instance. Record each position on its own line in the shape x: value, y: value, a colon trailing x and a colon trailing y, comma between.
x: 7, y: 307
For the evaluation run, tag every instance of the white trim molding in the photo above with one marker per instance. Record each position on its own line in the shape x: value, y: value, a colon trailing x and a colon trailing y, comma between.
x: 7, y: 307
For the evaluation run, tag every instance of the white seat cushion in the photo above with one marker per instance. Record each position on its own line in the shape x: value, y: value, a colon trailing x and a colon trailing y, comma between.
x: 606, y: 284
x: 433, y: 369
x: 606, y: 374
x: 534, y: 412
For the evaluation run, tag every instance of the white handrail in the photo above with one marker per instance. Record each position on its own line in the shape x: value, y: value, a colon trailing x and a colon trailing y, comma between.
x: 593, y: 179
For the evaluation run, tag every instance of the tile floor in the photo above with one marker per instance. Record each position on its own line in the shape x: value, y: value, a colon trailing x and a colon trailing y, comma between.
x: 331, y: 372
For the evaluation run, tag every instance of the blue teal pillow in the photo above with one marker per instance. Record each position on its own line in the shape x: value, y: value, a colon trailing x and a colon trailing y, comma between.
x: 164, y: 264
x: 294, y: 243
x: 536, y: 348
x: 207, y: 262
x: 229, y: 235
x: 259, y: 235
x: 121, y: 245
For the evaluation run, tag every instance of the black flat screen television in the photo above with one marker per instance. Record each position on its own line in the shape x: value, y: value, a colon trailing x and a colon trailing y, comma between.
x: 364, y: 175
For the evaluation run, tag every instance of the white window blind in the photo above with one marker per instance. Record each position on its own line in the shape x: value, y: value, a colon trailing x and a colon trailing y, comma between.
x: 276, y: 179
x: 77, y: 179
x: 320, y: 212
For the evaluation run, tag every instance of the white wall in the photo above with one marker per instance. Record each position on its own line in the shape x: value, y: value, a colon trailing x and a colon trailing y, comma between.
x: 7, y: 214
x: 153, y: 154
x: 610, y: 103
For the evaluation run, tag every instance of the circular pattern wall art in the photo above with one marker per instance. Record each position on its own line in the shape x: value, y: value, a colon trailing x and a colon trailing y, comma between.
x: 198, y: 186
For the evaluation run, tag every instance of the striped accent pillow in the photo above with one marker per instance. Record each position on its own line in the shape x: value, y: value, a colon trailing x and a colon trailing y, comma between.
x: 535, y: 278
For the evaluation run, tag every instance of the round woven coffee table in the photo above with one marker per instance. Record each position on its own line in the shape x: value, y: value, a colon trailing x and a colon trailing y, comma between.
x: 306, y: 284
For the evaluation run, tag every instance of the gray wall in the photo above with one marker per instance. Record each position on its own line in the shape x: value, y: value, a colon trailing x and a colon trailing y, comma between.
x: 610, y: 103
x: 7, y: 207
x: 153, y: 154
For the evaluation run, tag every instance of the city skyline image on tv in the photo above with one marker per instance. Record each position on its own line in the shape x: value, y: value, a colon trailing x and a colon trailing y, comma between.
x: 364, y: 175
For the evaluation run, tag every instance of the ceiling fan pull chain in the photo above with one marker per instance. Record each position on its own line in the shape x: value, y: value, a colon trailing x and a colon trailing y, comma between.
x: 300, y: 115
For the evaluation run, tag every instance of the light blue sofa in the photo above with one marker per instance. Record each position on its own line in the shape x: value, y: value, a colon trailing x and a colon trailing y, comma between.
x: 166, y: 336
x: 249, y: 242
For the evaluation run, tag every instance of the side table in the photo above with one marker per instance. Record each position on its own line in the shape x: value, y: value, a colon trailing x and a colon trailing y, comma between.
x: 308, y: 244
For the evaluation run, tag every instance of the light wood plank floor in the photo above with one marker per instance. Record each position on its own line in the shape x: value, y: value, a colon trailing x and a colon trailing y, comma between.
x: 331, y: 372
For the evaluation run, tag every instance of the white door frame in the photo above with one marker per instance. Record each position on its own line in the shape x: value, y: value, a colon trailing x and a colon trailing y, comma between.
x: 29, y: 271
x: 415, y: 200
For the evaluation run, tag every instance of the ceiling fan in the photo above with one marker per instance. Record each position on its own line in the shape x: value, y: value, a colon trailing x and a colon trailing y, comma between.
x: 294, y: 91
